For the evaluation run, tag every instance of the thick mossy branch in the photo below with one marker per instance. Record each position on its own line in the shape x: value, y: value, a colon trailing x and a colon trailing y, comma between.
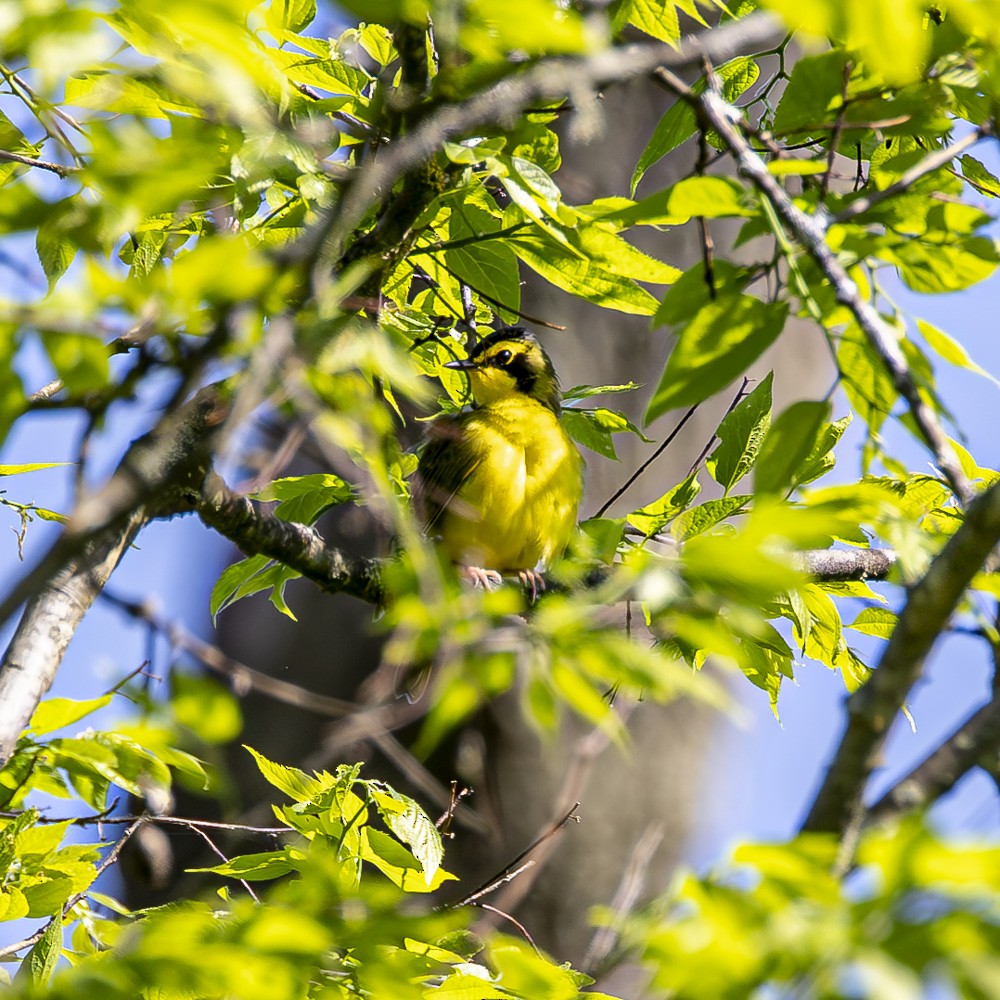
x: 873, y: 708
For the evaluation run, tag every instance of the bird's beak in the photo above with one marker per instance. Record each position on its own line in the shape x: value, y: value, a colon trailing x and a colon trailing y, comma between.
x: 461, y: 366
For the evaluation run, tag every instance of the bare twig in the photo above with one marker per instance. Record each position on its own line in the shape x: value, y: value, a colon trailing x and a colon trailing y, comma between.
x: 517, y: 923
x: 30, y: 161
x: 213, y: 847
x: 523, y: 861
x: 630, y: 890
x: 620, y: 492
x: 838, y: 129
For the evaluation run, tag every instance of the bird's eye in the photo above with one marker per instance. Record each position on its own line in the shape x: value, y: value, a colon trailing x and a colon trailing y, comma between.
x: 502, y: 358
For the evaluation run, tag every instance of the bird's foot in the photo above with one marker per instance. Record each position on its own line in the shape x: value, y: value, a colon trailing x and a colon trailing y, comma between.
x: 532, y: 581
x: 478, y: 577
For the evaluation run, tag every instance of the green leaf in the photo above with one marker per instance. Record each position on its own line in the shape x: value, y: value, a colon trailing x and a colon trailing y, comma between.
x: 13, y: 905
x: 250, y: 576
x: 16, y: 470
x: 605, y: 535
x: 304, y: 498
x: 255, y: 867
x: 55, y: 252
x: 489, y: 267
x: 878, y: 622
x: 594, y: 428
x: 652, y: 518
x: 205, y: 707
x: 55, y: 713
x: 707, y: 515
x: 579, y: 276
x: 796, y: 168
x: 289, y: 15
x: 814, y: 94
x: 294, y: 783
x: 979, y: 177
x: 397, y: 863
x: 655, y: 17
x: 951, y: 350
x: 377, y: 42
x: 941, y: 268
x: 679, y: 123
x: 40, y: 962
x: 740, y: 436
x: 821, y: 459
x: 723, y: 338
x: 121, y: 93
x: 788, y: 443
x: 709, y: 197
x: 866, y: 382
x: 79, y: 359
x: 413, y: 827
x: 586, y: 391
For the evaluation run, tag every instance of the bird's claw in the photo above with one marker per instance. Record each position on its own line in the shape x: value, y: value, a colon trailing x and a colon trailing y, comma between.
x: 479, y: 577
x: 533, y: 581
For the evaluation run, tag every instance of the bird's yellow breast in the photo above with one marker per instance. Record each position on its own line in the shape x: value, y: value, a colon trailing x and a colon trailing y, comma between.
x: 518, y: 506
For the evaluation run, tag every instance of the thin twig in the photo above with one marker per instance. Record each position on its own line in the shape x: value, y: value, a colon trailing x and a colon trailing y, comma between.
x: 732, y: 406
x: 630, y: 889
x: 933, y: 161
x: 219, y: 854
x: 515, y: 867
x: 649, y: 461
x: 513, y: 920
x: 838, y: 128
x: 30, y: 161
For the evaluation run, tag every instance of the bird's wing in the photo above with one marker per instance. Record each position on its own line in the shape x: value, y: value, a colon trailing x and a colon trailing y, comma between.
x: 448, y: 458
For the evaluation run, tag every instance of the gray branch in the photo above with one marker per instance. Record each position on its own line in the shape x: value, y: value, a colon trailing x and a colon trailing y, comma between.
x: 49, y: 621
x: 810, y: 232
x: 873, y: 708
x: 552, y: 79
x: 257, y: 532
x: 157, y: 476
x: 975, y: 743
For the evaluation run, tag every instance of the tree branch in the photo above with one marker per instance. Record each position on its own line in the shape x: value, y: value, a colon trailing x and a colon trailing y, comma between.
x: 298, y: 546
x: 933, y: 161
x: 976, y: 741
x: 30, y: 161
x: 873, y: 708
x: 810, y: 232
x: 546, y: 81
x: 50, y: 619
x: 157, y: 473
x: 162, y: 469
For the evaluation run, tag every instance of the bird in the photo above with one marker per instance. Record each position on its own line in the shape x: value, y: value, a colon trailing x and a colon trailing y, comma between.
x: 499, y: 485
